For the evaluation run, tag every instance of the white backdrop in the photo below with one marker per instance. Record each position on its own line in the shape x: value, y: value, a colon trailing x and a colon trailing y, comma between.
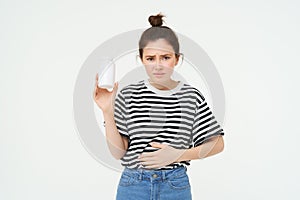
x: 253, y: 44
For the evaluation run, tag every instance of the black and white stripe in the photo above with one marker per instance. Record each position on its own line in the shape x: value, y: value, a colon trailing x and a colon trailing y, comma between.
x: 180, y: 118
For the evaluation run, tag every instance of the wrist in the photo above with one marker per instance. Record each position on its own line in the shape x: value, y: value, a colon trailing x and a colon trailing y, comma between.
x: 108, y: 115
x: 182, y: 153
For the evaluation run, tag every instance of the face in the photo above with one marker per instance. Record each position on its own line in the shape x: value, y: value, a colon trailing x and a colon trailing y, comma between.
x: 159, y: 60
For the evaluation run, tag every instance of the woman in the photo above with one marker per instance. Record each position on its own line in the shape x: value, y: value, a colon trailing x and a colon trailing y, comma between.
x: 158, y: 125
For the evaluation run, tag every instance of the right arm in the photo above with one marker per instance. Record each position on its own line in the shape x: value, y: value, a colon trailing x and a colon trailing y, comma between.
x: 117, y: 143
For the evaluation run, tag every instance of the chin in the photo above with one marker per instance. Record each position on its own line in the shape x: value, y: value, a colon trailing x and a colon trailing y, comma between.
x: 158, y: 80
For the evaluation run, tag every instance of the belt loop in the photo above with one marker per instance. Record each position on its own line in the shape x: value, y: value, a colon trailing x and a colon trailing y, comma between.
x: 140, y: 174
x: 163, y: 174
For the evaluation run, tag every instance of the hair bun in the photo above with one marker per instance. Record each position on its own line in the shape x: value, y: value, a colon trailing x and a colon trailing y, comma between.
x: 156, y: 20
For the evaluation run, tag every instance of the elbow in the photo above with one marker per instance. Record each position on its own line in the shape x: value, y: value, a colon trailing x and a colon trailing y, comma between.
x: 116, y: 152
x: 220, y: 145
x: 118, y: 155
x: 212, y: 147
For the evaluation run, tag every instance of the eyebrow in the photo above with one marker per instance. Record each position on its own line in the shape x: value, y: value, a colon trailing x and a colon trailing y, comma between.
x: 160, y: 55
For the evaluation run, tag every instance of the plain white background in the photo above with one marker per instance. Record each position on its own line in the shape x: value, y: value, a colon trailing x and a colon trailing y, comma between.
x: 254, y: 45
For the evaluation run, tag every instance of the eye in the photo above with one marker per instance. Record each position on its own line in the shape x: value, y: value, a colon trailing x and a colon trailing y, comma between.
x: 149, y: 59
x: 166, y: 57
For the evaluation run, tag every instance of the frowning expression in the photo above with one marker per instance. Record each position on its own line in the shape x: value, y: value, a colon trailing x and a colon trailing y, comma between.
x: 159, y: 60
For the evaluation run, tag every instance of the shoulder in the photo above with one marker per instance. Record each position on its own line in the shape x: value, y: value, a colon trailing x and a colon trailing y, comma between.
x: 193, y: 91
x: 137, y: 85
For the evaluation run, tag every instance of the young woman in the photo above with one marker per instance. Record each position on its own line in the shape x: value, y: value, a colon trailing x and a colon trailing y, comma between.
x: 158, y: 125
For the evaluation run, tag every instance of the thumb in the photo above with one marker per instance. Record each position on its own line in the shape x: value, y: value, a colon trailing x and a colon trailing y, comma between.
x: 115, y: 88
x: 116, y: 85
x: 157, y: 145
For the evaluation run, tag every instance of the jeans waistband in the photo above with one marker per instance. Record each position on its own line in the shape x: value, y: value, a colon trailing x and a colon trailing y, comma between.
x: 154, y: 174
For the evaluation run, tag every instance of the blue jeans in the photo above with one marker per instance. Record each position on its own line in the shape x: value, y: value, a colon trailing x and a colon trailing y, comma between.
x: 144, y: 184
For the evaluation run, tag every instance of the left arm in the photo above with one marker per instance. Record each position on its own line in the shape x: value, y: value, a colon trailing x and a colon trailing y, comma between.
x: 213, y: 146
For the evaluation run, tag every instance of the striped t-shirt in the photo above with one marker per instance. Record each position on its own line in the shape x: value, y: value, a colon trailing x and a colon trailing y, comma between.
x: 179, y: 117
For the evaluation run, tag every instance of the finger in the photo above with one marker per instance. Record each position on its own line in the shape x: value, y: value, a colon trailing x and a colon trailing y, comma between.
x: 115, y: 89
x: 147, y: 159
x: 157, y: 145
x: 152, y: 166
x: 155, y: 161
x: 95, y: 96
x: 147, y: 155
x: 96, y: 82
x: 96, y: 90
x: 149, y: 163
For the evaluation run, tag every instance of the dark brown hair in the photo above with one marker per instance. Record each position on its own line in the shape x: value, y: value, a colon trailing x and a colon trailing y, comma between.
x: 157, y: 31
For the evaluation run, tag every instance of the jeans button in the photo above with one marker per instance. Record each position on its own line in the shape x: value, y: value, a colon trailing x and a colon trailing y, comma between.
x: 154, y: 175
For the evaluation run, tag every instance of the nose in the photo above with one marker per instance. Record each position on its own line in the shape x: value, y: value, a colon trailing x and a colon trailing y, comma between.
x: 158, y: 63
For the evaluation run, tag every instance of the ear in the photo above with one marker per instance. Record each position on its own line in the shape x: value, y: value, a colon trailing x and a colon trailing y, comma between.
x: 177, y: 60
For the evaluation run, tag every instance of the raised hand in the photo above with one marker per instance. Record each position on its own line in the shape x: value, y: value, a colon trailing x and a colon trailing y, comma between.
x: 105, y: 98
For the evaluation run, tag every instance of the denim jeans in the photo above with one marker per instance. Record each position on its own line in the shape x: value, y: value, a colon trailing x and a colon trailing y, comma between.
x: 144, y: 184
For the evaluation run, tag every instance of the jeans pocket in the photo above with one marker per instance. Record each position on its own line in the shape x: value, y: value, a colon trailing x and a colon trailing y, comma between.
x: 127, y: 180
x: 179, y: 182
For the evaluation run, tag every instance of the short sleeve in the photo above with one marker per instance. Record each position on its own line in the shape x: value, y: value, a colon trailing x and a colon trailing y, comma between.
x: 205, y: 125
x: 120, y: 114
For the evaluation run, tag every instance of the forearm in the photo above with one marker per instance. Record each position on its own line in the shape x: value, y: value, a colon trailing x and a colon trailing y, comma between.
x: 113, y: 138
x: 209, y: 148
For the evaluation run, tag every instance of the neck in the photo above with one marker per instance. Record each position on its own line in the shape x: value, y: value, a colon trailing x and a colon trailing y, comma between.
x: 164, y: 86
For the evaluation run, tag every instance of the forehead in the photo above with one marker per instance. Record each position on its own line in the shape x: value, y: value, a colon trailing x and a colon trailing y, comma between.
x: 160, y: 46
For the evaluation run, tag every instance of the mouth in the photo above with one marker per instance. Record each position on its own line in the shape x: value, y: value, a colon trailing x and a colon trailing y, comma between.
x: 158, y: 74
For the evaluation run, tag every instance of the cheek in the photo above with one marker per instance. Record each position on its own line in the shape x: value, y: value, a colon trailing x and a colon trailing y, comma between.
x: 170, y: 65
x: 169, y: 69
x: 148, y: 69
